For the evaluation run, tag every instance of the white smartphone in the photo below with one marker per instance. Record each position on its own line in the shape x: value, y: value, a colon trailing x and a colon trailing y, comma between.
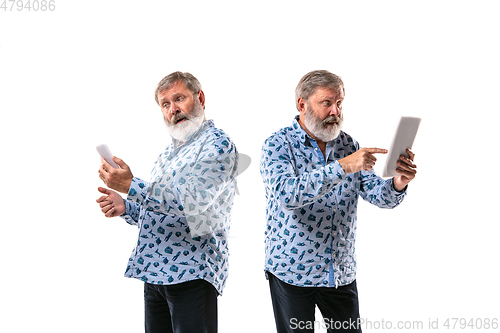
x: 404, y: 137
x: 104, y: 151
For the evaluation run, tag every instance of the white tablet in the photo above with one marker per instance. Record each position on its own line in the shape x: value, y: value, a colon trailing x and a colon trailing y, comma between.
x: 104, y: 151
x: 404, y: 137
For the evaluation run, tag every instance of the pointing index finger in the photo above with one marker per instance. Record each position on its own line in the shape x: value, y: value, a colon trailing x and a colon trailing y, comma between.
x: 377, y: 150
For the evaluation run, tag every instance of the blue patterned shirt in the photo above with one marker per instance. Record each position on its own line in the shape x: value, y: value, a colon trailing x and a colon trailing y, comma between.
x: 183, y: 214
x: 311, y: 207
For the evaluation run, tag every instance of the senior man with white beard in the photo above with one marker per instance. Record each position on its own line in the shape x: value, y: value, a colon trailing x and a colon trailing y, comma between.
x: 183, y: 213
x: 313, y: 174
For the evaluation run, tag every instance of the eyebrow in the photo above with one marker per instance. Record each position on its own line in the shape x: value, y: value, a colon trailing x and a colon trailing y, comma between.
x: 331, y: 98
x: 174, y: 96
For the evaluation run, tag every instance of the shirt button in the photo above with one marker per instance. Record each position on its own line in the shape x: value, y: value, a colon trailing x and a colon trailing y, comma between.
x: 335, y: 233
x: 334, y: 255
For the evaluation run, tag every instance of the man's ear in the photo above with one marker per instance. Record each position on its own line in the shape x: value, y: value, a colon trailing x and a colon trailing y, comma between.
x: 301, y: 104
x: 201, y: 97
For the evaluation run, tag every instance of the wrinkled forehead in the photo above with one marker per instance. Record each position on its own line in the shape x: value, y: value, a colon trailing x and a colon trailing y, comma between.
x: 175, y: 89
x: 329, y: 92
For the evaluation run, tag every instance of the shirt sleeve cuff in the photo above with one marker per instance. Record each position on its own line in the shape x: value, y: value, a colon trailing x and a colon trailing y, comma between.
x: 131, y: 215
x: 399, y: 196
x: 396, y: 191
x: 129, y: 209
x: 138, y: 190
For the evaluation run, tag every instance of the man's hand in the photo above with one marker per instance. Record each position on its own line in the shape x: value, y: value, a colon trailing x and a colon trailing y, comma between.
x: 117, y: 179
x: 363, y: 159
x: 111, y: 204
x: 407, y: 170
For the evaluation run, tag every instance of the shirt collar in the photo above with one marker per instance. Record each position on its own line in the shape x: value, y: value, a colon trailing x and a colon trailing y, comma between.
x: 302, y: 135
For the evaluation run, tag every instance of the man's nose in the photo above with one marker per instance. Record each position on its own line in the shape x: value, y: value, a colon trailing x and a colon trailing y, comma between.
x: 171, y: 111
x: 174, y: 108
x: 335, y: 110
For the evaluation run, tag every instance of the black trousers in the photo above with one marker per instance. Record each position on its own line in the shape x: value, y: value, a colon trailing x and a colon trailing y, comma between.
x: 294, y: 307
x: 187, y: 307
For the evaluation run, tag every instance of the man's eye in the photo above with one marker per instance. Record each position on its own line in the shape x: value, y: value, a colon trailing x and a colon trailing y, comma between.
x: 326, y: 103
x: 165, y: 105
x: 180, y: 99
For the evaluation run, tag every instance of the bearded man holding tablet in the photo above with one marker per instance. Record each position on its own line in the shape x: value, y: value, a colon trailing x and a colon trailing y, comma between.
x: 313, y: 174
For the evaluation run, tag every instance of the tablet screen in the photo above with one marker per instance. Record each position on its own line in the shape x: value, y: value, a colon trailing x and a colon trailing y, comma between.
x: 404, y: 137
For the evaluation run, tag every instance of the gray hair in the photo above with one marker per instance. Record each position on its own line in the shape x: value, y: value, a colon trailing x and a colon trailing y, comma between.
x: 316, y: 79
x: 168, y: 81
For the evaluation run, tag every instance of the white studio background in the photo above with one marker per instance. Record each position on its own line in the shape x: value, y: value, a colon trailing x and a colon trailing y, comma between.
x: 85, y: 74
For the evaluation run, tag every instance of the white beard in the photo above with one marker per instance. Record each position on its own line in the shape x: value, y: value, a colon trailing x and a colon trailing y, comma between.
x: 184, y: 129
x: 321, y: 129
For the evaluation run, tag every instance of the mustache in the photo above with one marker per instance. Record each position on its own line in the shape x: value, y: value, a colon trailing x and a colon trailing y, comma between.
x: 332, y: 120
x: 178, y: 117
